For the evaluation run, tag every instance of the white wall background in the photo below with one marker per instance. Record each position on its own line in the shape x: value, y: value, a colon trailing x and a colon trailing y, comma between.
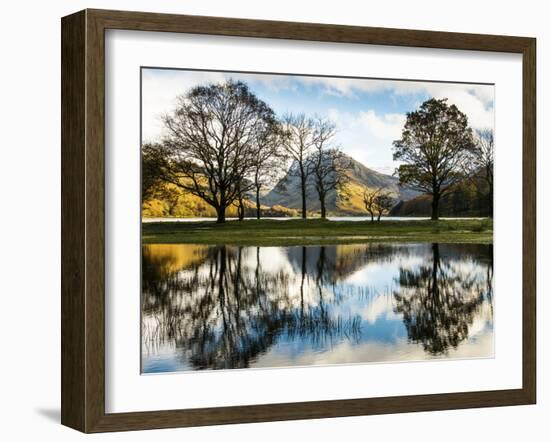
x: 30, y: 216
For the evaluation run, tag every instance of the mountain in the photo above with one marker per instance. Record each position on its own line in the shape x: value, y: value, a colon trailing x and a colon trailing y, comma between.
x: 287, y: 191
x: 284, y: 200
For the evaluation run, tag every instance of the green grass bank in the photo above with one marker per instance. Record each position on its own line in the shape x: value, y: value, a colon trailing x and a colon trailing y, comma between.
x: 316, y: 231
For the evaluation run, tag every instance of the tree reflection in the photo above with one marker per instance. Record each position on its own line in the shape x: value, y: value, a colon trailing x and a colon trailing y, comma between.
x: 224, y: 312
x: 439, y: 300
x: 223, y: 307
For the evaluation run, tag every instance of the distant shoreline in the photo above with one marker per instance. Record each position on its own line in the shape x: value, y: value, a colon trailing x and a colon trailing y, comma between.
x: 350, y: 218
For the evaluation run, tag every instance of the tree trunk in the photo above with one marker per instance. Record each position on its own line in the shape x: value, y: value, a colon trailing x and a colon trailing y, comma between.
x: 435, y: 268
x: 304, y: 264
x: 371, y: 217
x: 303, y: 179
x: 220, y: 211
x: 323, y: 208
x: 221, y: 288
x: 435, y: 206
x: 379, y: 215
x: 258, y: 214
x: 240, y: 209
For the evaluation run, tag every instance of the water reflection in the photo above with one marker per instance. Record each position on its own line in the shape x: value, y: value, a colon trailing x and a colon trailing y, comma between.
x: 438, y: 301
x: 219, y: 307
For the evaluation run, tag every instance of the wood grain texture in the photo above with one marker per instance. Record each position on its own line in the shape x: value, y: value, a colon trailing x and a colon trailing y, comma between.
x: 95, y: 221
x: 73, y: 253
x: 144, y: 21
x: 529, y: 220
x: 83, y: 220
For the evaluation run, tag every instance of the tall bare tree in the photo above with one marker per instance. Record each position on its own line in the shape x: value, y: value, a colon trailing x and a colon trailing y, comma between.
x: 267, y: 161
x: 483, y: 158
x: 299, y: 142
x: 327, y: 163
x: 434, y: 144
x: 210, y: 141
x: 242, y: 188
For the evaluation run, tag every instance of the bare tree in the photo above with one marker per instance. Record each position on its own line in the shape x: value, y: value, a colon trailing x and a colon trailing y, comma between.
x: 210, y: 141
x: 483, y: 158
x: 369, y: 199
x: 240, y: 201
x: 267, y: 161
x: 298, y: 142
x: 377, y: 202
x: 434, y: 144
x: 383, y: 203
x: 244, y: 189
x: 328, y: 164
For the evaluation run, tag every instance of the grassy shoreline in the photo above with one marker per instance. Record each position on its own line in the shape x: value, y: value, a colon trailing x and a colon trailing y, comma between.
x: 316, y: 231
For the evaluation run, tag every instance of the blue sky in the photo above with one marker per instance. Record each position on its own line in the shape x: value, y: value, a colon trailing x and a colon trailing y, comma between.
x: 369, y: 114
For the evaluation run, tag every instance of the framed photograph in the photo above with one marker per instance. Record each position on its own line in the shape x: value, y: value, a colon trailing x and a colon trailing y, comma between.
x: 268, y: 220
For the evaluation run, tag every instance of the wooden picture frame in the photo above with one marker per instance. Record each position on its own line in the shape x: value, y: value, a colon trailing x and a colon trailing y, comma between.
x: 83, y: 220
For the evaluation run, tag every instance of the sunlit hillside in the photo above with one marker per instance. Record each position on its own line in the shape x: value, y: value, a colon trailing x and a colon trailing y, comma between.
x: 347, y: 201
x: 171, y: 201
x: 467, y: 199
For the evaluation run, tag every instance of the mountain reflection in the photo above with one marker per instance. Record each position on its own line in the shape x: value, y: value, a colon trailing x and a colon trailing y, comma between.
x: 220, y: 307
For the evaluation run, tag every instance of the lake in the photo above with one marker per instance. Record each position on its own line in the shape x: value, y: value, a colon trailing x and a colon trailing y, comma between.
x: 330, y: 218
x: 227, y: 307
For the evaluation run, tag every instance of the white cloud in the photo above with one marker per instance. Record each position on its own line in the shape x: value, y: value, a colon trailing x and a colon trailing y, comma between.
x: 476, y: 101
x: 387, y: 126
x: 161, y: 87
x: 350, y: 86
x: 347, y: 87
x: 368, y: 136
x: 159, y: 92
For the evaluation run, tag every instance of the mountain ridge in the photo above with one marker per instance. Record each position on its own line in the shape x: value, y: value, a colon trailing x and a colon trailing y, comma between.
x: 287, y: 192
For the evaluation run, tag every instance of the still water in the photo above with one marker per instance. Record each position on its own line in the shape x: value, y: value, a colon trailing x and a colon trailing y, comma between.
x: 223, y: 307
x: 330, y: 218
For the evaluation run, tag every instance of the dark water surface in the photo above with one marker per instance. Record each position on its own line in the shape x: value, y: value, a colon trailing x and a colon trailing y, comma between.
x: 222, y: 307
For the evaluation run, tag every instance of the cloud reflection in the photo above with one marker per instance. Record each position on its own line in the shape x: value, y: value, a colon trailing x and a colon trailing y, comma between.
x: 220, y: 307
